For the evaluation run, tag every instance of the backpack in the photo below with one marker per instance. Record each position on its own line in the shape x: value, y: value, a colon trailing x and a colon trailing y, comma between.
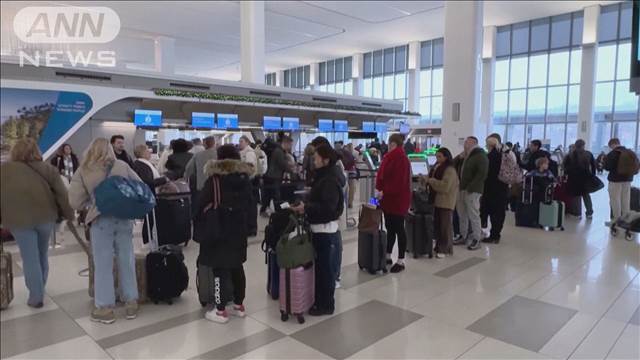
x: 510, y: 172
x: 124, y: 198
x: 262, y: 163
x: 628, y: 164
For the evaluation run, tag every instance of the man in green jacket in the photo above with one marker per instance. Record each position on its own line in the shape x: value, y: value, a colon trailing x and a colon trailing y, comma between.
x: 472, y: 177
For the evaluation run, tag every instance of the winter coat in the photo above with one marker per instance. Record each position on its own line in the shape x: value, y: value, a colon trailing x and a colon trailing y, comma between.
x: 85, y: 181
x: 611, y: 165
x: 227, y: 248
x: 325, y: 202
x: 579, y: 167
x: 394, y: 180
x: 146, y: 175
x: 446, y: 189
x: 27, y: 196
x: 58, y: 162
x: 278, y: 164
x: 177, y: 164
x: 493, y: 187
x: 474, y: 171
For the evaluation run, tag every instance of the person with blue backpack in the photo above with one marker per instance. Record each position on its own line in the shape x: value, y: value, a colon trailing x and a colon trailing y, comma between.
x: 113, y: 194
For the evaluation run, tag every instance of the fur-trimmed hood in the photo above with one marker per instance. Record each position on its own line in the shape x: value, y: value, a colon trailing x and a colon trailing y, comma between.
x: 226, y: 167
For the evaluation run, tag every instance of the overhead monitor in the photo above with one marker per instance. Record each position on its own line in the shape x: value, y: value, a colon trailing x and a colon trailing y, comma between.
x: 341, y: 126
x: 419, y: 167
x: 150, y: 118
x: 325, y: 125
x: 369, y: 126
x: 405, y: 128
x: 272, y: 123
x: 381, y: 127
x: 203, y: 120
x: 228, y: 121
x: 290, y: 123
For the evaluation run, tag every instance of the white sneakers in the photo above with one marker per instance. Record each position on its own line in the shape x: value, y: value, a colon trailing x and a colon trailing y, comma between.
x: 440, y: 256
x: 222, y: 317
x: 238, y: 310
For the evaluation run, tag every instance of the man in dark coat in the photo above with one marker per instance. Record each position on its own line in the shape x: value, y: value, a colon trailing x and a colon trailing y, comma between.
x: 580, y: 167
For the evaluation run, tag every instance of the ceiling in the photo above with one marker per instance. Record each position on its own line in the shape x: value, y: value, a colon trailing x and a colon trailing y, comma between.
x: 207, y: 33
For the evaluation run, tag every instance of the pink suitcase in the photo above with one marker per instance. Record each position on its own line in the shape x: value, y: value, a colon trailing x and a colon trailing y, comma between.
x: 297, y: 292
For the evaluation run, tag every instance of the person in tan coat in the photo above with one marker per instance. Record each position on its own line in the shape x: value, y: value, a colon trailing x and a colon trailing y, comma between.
x: 33, y: 199
x: 443, y: 184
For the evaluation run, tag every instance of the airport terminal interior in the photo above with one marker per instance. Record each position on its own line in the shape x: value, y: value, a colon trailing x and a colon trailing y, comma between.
x: 398, y: 88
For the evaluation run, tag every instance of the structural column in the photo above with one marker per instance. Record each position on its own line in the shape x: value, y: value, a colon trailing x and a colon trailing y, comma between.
x: 462, y: 70
x: 252, y: 39
x: 588, y: 73
x: 488, y: 69
x: 165, y: 55
x: 413, y: 77
x: 357, y: 73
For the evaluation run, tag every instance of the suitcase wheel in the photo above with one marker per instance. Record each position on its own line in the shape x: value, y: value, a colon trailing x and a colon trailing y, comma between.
x: 204, y: 304
x: 284, y: 316
x: 372, y: 272
x: 431, y: 256
x: 628, y: 236
x: 384, y: 270
x: 415, y: 255
x: 300, y: 319
x: 561, y: 228
x: 361, y: 268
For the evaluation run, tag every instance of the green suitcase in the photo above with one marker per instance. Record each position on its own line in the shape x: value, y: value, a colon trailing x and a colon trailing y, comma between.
x: 551, y: 215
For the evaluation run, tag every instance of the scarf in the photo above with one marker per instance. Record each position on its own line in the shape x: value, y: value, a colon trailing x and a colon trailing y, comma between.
x: 156, y: 173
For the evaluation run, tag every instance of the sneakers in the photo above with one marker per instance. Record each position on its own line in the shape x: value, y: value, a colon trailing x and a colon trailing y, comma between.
x: 491, y: 240
x: 37, y: 305
x: 397, y: 267
x: 440, y: 256
x: 589, y: 216
x: 459, y: 240
x: 238, y: 310
x: 338, y: 285
x: 131, y: 310
x: 103, y: 315
x: 475, y: 245
x: 220, y: 317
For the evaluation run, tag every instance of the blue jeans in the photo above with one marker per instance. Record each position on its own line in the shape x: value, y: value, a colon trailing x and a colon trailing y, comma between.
x: 34, y: 247
x: 111, y: 236
x: 326, y: 246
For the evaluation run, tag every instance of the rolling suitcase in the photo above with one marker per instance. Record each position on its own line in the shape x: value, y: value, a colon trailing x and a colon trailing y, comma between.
x: 527, y: 210
x: 6, y: 278
x: 173, y: 213
x: 552, y: 215
x: 372, y: 250
x: 634, y: 201
x: 629, y: 222
x: 297, y: 291
x: 167, y: 275
x: 273, y: 274
x: 419, y: 229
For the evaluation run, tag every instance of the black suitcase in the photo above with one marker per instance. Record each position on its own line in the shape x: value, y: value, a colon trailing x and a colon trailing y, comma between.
x: 372, y: 250
x: 273, y: 274
x: 167, y: 275
x: 174, y: 219
x: 634, y: 200
x: 419, y: 228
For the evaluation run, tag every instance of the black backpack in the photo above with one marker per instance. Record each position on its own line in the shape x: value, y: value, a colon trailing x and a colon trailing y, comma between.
x: 277, y: 227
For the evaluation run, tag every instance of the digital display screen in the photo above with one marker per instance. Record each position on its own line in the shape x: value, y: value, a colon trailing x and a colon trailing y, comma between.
x: 272, y: 123
x: 368, y: 126
x: 381, y: 127
x: 325, y: 125
x: 419, y: 168
x: 290, y: 123
x: 405, y: 129
x: 227, y: 121
x: 203, y: 120
x: 151, y: 118
x: 341, y: 125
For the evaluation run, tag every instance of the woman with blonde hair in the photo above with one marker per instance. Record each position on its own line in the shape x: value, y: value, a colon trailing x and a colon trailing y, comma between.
x: 33, y: 199
x: 109, y: 235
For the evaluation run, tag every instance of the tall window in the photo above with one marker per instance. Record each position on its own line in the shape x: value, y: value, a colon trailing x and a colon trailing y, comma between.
x: 298, y: 77
x: 335, y: 76
x: 385, y: 74
x: 431, y: 61
x: 615, y: 107
x: 270, y: 79
x: 536, y: 80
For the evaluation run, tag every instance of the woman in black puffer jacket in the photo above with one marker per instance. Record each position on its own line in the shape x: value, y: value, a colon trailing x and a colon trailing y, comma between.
x: 224, y: 202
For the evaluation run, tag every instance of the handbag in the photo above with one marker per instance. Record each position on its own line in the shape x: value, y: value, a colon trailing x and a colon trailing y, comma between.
x: 297, y: 250
x: 593, y: 184
x: 370, y: 219
x: 123, y: 198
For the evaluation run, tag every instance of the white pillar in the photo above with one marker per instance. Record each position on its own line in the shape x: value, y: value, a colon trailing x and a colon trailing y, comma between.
x: 357, y: 73
x: 488, y: 69
x: 588, y: 73
x: 252, y: 39
x: 314, y: 76
x: 280, y: 78
x: 462, y: 70
x: 413, y: 77
x: 164, y: 54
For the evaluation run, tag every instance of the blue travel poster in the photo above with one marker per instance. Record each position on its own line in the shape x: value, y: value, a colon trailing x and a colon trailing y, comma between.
x: 150, y: 118
x: 341, y: 125
x: 203, y: 120
x: 325, y: 125
x: 290, y: 123
x: 45, y: 115
x: 227, y: 121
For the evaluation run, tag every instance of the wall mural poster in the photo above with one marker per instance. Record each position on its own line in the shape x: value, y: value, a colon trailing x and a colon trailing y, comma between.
x: 44, y: 115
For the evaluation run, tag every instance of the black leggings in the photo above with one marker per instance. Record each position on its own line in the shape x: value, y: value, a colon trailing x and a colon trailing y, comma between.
x: 238, y: 283
x: 395, y: 226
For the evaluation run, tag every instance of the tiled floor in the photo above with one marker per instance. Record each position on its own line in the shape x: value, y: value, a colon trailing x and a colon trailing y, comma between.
x: 554, y: 295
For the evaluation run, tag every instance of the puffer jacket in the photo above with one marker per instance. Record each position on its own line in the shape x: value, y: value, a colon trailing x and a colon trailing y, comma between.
x: 227, y: 248
x: 85, y: 181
